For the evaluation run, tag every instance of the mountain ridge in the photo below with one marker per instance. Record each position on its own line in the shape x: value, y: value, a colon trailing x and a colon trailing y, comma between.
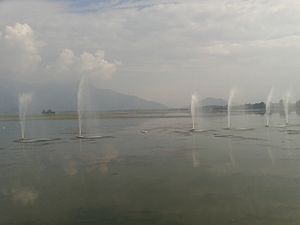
x: 209, y: 101
x: 63, y: 98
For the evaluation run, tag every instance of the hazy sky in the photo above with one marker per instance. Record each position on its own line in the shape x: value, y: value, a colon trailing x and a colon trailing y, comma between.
x: 158, y: 50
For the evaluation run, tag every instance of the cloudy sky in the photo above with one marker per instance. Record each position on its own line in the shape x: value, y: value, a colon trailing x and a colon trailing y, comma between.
x: 159, y: 50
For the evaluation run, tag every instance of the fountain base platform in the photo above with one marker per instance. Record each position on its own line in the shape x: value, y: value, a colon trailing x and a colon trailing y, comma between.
x: 93, y: 137
x: 36, y: 140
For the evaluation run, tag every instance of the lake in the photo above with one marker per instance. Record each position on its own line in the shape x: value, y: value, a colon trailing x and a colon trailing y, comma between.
x: 151, y: 170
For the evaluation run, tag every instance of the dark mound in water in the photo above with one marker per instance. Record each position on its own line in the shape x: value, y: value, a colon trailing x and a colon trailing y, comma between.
x: 291, y: 131
x: 281, y: 126
x: 237, y: 137
x: 94, y: 137
x: 36, y: 140
x: 186, y: 132
x: 191, y: 131
x: 202, y: 131
x: 244, y: 129
x: 239, y: 129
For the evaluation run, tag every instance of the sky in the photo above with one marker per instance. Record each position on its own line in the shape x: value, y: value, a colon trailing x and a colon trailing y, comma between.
x: 158, y: 50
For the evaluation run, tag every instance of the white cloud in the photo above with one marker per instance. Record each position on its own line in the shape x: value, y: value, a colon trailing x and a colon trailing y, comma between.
x: 207, y: 46
x: 66, y: 60
x: 21, y: 57
x: 20, y: 49
x: 218, y: 49
x: 86, y: 64
x: 96, y: 64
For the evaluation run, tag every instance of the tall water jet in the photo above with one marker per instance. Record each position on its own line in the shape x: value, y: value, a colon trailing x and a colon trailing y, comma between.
x: 194, y: 107
x: 84, y: 112
x: 268, y: 107
x: 80, y: 105
x: 229, y: 107
x: 286, y: 103
x: 24, y: 101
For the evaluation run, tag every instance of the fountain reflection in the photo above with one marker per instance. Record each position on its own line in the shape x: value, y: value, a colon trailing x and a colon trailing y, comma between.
x: 195, y: 155
x: 24, y: 196
x: 230, y: 152
x: 96, y: 160
x: 269, y: 148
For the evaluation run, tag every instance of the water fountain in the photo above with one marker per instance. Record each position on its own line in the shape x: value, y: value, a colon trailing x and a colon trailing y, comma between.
x: 194, y: 108
x: 229, y: 107
x: 286, y: 106
x: 24, y: 101
x: 84, y: 109
x: 80, y: 105
x: 268, y: 107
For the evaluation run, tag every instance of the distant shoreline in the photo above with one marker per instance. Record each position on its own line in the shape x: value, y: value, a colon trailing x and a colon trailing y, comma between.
x: 161, y: 113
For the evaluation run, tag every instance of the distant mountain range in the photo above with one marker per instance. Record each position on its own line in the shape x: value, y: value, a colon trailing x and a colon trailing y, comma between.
x: 213, y: 102
x: 61, y: 98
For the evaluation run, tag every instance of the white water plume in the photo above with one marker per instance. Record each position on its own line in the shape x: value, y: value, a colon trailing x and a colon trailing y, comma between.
x: 24, y: 101
x: 229, y: 107
x: 194, y: 108
x: 286, y: 102
x: 80, y: 104
x: 268, y: 106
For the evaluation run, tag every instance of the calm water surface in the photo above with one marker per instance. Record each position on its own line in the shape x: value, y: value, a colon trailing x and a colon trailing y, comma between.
x: 165, y: 176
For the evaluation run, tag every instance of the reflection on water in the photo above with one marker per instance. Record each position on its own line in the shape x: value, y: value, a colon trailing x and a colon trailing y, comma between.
x: 71, y: 168
x: 21, y: 196
x: 195, y: 149
x: 24, y: 196
x: 92, y: 160
x: 196, y: 162
x: 269, y: 146
x: 287, y: 145
x: 230, y: 152
x: 161, y: 177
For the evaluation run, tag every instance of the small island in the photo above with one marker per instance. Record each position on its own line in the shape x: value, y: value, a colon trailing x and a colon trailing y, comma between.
x: 48, y: 112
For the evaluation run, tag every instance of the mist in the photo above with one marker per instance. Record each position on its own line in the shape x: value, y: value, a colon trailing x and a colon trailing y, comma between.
x: 158, y: 50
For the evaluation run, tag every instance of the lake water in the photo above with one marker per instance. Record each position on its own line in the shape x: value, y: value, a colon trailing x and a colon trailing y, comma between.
x: 164, y: 176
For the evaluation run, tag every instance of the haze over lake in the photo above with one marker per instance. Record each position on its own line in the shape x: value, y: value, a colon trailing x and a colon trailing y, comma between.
x: 167, y: 175
x: 149, y: 112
